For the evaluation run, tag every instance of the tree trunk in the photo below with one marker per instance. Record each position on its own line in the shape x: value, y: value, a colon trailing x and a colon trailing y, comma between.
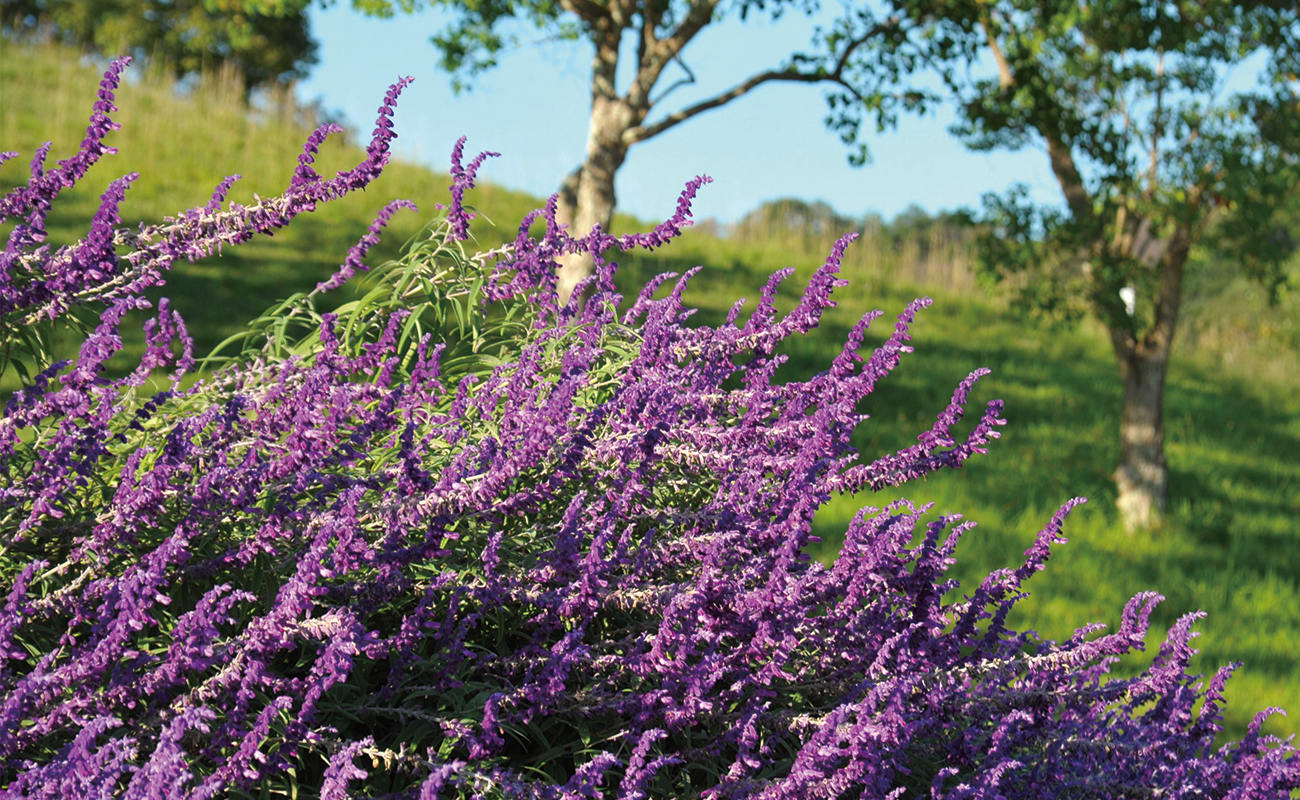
x: 595, y: 202
x: 593, y: 196
x: 568, y: 200
x: 1142, y: 476
x: 617, y: 122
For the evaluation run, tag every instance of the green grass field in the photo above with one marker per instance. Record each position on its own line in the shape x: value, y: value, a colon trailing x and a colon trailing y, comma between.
x: 1230, y: 544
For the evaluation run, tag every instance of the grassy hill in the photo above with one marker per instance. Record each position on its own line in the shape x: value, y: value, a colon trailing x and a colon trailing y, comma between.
x: 1229, y: 546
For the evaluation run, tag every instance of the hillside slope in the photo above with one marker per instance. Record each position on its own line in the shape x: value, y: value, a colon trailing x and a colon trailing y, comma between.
x: 183, y: 146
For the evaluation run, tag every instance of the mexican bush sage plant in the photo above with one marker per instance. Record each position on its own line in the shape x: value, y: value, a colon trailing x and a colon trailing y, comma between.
x: 454, y: 540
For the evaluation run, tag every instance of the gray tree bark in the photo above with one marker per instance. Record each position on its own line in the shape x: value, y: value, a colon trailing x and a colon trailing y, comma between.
x: 1142, y: 476
x: 587, y: 195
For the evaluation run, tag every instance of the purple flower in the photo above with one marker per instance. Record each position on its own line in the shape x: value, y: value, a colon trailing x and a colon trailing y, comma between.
x: 353, y: 262
x: 342, y: 772
x: 462, y: 179
x: 563, y: 557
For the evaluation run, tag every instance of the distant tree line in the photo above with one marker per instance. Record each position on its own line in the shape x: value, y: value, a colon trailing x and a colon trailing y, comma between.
x: 263, y: 46
x: 914, y: 247
x: 788, y: 216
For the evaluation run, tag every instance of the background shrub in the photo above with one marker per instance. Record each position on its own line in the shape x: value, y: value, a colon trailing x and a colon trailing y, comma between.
x: 450, y: 539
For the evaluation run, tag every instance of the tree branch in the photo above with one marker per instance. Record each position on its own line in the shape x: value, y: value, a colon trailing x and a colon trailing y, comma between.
x: 650, y: 18
x: 677, y: 84
x: 642, y: 132
x: 1156, y: 127
x: 586, y: 10
x: 1005, y: 79
x: 658, y: 53
x: 1067, y: 175
x: 622, y: 11
x: 1169, y: 296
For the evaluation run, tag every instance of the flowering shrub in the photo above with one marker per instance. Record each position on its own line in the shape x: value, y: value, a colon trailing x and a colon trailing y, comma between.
x: 454, y: 540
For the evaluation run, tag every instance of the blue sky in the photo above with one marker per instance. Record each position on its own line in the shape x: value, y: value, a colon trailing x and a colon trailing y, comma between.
x: 768, y: 144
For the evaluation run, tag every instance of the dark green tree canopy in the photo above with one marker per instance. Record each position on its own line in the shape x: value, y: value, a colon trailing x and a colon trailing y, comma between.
x: 1153, y: 150
x: 264, y: 46
x: 1128, y: 97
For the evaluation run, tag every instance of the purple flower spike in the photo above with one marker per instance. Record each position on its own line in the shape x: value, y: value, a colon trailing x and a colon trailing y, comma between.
x: 342, y: 772
x: 463, y: 180
x: 377, y: 152
x: 354, y: 262
x: 219, y: 194
x: 92, y: 147
x: 304, y: 175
